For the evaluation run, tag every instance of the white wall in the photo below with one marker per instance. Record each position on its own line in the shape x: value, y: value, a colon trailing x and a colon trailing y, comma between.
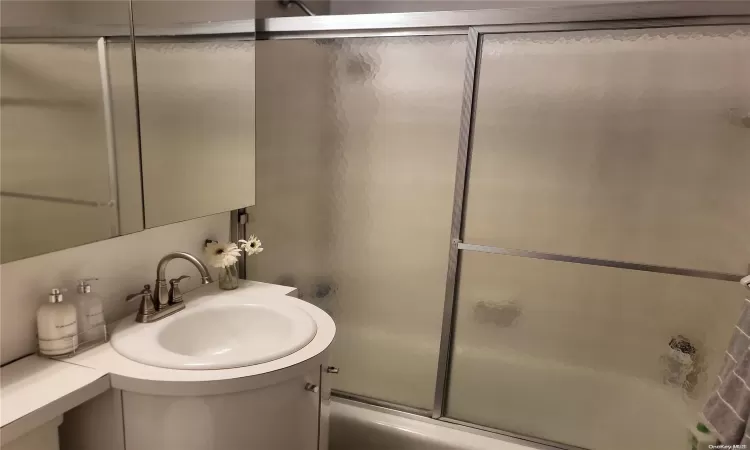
x: 123, y: 264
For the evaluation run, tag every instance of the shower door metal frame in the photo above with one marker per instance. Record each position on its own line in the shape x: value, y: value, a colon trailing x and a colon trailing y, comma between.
x: 668, y: 13
x: 474, y: 25
x: 457, y: 244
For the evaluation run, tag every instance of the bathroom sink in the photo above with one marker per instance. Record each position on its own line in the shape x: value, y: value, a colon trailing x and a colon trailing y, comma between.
x: 218, y: 331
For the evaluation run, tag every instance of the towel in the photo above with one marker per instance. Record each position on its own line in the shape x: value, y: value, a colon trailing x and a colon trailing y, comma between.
x: 728, y: 407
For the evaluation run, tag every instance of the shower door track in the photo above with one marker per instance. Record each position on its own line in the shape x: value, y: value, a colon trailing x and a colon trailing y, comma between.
x: 468, y: 427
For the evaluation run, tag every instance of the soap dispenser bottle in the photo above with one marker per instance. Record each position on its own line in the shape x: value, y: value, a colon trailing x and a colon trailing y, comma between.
x: 57, y: 326
x: 91, y: 325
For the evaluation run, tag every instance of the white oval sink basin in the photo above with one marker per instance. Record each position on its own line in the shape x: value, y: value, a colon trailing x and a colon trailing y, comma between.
x: 218, y: 331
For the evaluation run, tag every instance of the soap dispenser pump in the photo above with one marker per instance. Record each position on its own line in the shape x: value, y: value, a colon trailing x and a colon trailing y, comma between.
x: 57, y: 326
x: 91, y: 324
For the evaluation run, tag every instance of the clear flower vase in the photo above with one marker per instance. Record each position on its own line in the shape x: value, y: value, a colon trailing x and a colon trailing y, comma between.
x: 229, y: 278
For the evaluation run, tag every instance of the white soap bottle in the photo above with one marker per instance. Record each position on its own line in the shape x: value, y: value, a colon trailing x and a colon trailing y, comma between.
x: 91, y: 325
x: 57, y: 326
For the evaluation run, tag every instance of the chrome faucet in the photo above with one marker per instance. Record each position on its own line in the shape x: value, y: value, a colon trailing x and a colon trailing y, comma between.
x: 165, y: 300
x: 163, y: 295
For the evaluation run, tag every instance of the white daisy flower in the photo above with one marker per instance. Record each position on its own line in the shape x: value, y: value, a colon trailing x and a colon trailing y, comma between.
x: 252, y: 246
x: 222, y: 255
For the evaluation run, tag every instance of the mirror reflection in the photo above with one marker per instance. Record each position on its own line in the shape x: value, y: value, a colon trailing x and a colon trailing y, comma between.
x: 69, y: 145
x: 197, y: 110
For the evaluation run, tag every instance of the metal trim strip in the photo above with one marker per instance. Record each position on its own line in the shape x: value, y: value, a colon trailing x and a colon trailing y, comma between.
x: 532, y: 442
x: 463, y: 166
x: 237, y: 231
x: 49, y: 40
x: 380, y: 403
x: 136, y: 96
x: 616, y: 24
x: 49, y: 198
x: 510, y: 16
x: 109, y: 129
x: 232, y: 27
x: 447, y: 31
x: 695, y: 273
x: 74, y: 32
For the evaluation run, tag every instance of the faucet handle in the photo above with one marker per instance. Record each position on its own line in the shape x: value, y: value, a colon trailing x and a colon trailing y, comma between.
x: 178, y: 279
x: 147, y: 307
x: 145, y: 292
x: 175, y: 295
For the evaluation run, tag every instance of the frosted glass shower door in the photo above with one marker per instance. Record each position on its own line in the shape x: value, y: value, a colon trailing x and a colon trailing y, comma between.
x: 623, y: 145
x: 579, y: 354
x: 357, y: 147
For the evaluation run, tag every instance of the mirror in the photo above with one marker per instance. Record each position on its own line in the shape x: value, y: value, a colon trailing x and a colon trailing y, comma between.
x: 69, y: 167
x: 76, y: 165
x: 197, y: 106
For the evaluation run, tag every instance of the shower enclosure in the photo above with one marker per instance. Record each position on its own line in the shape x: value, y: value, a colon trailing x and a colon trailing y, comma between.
x: 524, y: 221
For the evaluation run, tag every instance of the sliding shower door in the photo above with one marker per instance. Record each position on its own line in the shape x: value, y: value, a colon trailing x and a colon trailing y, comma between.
x: 623, y: 144
x: 613, y: 146
x: 357, y: 147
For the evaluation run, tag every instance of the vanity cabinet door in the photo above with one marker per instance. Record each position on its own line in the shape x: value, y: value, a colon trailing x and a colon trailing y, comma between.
x: 324, y: 427
x: 308, y: 418
x: 284, y: 416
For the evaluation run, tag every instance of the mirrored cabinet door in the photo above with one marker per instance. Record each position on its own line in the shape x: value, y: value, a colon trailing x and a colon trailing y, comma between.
x: 197, y: 114
x: 66, y: 179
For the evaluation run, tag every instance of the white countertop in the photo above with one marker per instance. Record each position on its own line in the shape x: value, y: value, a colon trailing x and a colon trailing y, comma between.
x: 36, y: 390
x: 132, y: 376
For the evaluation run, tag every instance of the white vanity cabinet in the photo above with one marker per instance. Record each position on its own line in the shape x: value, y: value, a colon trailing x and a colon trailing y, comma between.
x: 42, y: 438
x: 283, y: 416
x: 280, y: 404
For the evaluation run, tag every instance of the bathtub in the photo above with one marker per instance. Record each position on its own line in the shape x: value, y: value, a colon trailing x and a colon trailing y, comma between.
x: 357, y: 426
x: 529, y: 396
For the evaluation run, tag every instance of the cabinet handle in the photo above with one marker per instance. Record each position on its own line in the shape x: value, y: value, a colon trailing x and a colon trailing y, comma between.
x: 312, y: 387
x: 331, y: 369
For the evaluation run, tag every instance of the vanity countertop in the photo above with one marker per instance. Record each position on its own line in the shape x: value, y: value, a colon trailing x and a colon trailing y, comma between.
x: 132, y: 376
x: 35, y: 390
